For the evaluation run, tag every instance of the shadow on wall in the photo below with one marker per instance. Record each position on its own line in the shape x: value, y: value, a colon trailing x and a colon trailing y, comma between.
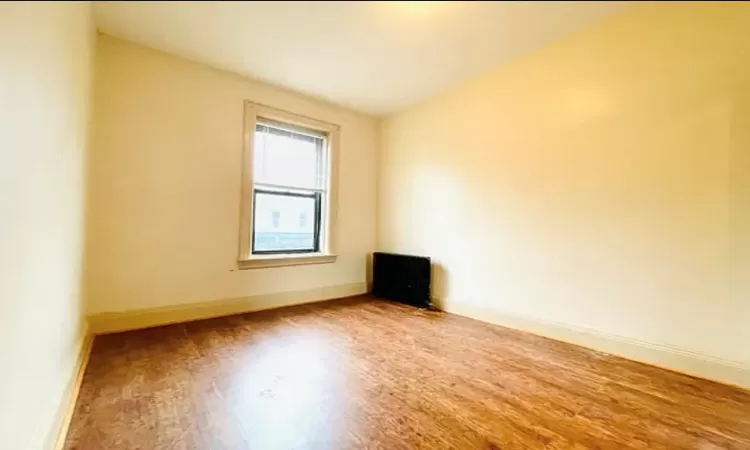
x: 368, y: 272
x: 440, y: 284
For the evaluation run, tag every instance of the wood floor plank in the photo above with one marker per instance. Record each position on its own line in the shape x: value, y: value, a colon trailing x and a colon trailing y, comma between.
x: 364, y: 373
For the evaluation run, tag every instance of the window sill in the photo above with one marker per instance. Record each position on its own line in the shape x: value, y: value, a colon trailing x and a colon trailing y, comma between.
x: 265, y: 261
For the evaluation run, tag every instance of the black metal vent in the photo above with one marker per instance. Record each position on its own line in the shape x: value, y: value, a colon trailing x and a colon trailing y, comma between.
x: 403, y: 278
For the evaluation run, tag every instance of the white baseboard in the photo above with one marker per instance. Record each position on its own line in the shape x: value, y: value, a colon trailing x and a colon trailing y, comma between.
x: 144, y: 318
x: 59, y: 431
x: 691, y: 363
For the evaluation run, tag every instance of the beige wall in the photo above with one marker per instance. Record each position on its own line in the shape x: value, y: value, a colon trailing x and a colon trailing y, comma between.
x: 739, y: 217
x: 45, y: 51
x: 165, y: 184
x: 589, y: 185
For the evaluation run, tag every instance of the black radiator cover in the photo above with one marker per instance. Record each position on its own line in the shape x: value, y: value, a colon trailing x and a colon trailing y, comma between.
x: 403, y: 278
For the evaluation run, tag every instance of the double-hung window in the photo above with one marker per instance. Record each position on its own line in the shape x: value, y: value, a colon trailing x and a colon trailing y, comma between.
x: 287, y: 202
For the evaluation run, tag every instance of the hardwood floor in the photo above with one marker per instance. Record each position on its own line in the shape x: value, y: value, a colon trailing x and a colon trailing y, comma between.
x: 365, y: 373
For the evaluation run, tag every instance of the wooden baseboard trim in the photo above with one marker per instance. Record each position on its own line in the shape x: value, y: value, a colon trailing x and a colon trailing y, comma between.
x: 145, y: 318
x: 677, y: 360
x: 67, y: 406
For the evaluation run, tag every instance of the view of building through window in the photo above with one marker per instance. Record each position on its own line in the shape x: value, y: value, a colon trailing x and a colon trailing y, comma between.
x: 278, y: 225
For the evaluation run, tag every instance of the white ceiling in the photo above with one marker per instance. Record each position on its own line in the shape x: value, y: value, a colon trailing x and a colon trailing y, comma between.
x: 373, y: 57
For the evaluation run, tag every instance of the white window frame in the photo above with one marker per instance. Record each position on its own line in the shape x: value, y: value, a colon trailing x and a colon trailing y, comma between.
x: 246, y: 260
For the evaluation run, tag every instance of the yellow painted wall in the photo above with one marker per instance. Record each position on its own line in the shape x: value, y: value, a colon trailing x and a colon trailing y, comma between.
x: 165, y: 184
x: 45, y: 51
x: 739, y: 218
x: 594, y: 184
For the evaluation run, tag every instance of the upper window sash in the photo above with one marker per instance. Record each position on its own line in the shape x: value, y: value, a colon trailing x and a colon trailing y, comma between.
x: 290, y: 159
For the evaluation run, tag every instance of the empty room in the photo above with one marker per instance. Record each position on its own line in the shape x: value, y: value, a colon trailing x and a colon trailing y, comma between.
x: 374, y: 225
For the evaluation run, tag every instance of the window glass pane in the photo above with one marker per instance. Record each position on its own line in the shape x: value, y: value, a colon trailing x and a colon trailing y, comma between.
x: 278, y: 225
x: 285, y: 158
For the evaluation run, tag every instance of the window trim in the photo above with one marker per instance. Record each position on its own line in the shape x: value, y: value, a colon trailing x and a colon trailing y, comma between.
x: 327, y: 235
